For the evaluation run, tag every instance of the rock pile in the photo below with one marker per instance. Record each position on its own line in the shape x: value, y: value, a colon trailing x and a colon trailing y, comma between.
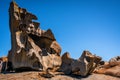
x: 36, y: 49
x: 110, y: 68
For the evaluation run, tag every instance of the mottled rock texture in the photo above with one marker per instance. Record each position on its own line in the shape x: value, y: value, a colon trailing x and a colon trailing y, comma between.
x: 36, y: 76
x: 31, y: 47
x: 3, y: 64
x: 83, y: 66
x: 110, y: 68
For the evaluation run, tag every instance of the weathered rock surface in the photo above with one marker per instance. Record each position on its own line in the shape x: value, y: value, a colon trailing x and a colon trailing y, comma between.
x: 110, y: 68
x: 83, y: 66
x: 3, y: 63
x: 36, y: 49
x: 36, y: 76
x: 31, y: 47
x: 114, y: 61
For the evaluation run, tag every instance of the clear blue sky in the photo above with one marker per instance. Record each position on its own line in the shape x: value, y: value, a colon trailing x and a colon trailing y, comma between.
x: 78, y: 25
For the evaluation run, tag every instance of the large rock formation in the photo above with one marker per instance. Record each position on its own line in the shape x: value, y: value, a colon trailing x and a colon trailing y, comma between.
x: 31, y: 47
x: 83, y: 66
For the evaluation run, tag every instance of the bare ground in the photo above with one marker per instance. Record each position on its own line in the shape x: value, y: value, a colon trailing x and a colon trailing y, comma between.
x: 33, y: 75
